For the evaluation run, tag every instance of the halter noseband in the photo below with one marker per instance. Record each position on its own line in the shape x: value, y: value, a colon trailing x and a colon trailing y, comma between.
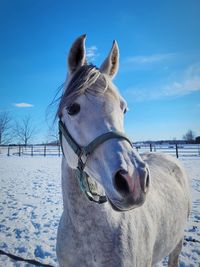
x: 83, y: 153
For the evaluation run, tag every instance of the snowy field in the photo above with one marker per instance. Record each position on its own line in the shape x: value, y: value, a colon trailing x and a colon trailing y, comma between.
x: 31, y: 205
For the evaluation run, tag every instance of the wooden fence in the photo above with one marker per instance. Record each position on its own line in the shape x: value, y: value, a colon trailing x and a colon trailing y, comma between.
x: 31, y: 150
x: 177, y: 150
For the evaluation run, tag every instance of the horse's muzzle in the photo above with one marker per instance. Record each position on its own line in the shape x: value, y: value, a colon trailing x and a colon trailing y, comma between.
x: 132, y: 189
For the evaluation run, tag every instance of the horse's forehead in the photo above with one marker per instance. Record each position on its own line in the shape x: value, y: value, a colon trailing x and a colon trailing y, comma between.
x: 109, y: 96
x: 106, y: 99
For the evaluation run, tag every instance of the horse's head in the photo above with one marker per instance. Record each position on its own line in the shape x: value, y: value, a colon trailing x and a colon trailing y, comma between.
x: 91, y: 106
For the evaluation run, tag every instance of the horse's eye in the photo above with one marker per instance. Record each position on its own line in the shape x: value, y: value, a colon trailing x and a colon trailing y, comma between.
x: 73, y: 109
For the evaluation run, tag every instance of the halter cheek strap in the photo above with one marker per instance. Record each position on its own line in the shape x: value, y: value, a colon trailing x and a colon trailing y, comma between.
x: 83, y: 153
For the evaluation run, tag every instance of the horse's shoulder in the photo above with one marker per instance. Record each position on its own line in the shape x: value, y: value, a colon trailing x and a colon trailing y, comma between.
x: 162, y: 160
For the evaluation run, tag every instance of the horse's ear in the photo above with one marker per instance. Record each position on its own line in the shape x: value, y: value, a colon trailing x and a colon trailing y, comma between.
x: 77, y: 54
x: 111, y: 63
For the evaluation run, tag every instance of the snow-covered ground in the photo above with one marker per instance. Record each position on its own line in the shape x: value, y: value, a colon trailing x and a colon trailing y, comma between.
x: 31, y: 205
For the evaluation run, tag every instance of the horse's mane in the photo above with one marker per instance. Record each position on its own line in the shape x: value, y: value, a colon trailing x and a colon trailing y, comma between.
x: 87, y: 79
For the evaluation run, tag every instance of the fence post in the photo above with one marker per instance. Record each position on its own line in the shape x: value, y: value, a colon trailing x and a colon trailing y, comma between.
x: 176, y: 150
x: 44, y: 151
x: 32, y: 150
x: 59, y: 150
x: 8, y: 151
x: 150, y: 147
x: 19, y: 150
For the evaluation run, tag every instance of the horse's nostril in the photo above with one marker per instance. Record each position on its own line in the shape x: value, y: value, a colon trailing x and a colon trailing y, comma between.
x: 121, y: 183
x: 145, y: 181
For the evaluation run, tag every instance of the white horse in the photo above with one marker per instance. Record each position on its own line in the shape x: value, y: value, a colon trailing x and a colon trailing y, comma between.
x: 148, y: 196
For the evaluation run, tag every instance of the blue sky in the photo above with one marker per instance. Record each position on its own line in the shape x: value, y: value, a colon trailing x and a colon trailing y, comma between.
x: 159, y: 73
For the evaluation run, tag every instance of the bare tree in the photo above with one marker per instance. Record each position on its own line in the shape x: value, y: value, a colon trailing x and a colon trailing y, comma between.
x: 53, y: 135
x: 189, y: 136
x: 24, y: 130
x: 5, y: 128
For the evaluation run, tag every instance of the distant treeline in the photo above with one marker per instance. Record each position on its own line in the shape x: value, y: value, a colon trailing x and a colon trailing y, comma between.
x: 171, y: 142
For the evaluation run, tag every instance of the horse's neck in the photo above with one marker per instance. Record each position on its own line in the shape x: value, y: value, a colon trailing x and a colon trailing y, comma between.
x: 76, y: 204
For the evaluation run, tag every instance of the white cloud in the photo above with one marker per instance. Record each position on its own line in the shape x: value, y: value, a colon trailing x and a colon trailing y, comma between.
x: 23, y: 105
x: 149, y: 59
x: 91, y: 53
x: 188, y: 82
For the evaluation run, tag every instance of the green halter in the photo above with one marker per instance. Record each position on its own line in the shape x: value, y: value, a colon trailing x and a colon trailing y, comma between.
x: 83, y: 153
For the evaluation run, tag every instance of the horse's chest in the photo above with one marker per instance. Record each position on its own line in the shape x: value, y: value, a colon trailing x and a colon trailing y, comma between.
x: 95, y: 246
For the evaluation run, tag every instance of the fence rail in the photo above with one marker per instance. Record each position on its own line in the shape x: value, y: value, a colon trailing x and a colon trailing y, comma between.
x: 177, y: 150
x: 31, y: 150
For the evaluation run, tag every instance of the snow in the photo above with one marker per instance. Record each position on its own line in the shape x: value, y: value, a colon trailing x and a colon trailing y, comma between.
x: 31, y: 206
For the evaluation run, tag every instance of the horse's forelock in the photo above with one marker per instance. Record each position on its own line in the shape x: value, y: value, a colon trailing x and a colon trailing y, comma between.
x: 87, y: 79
